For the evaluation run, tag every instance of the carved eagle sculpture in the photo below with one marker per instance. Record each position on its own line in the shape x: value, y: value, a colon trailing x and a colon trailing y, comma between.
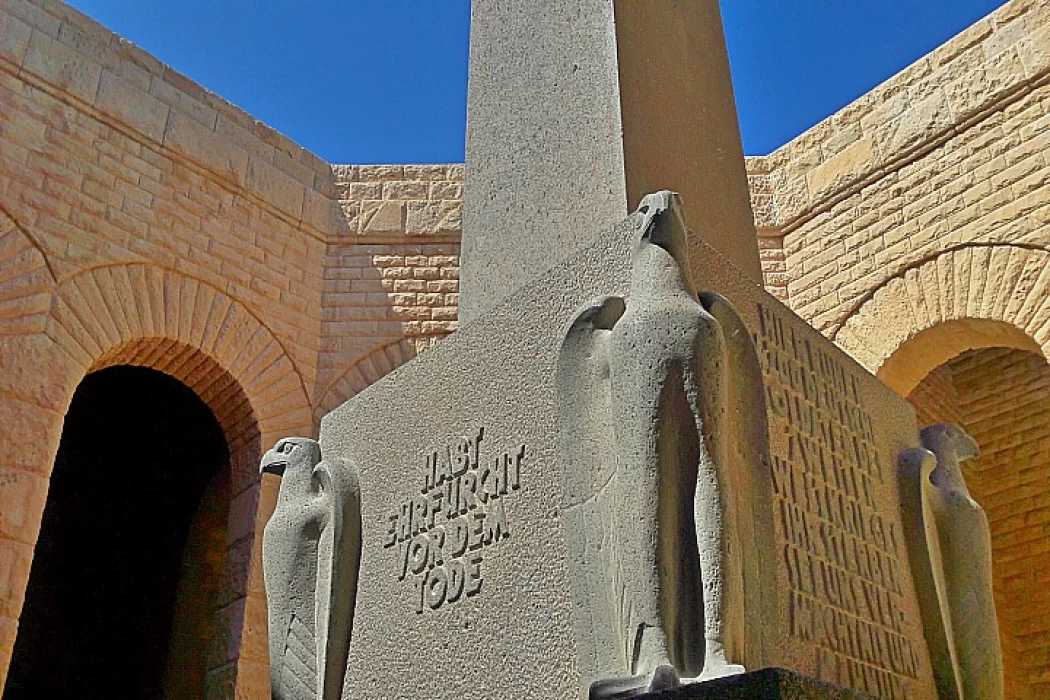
x: 950, y: 550
x: 311, y: 554
x: 655, y: 395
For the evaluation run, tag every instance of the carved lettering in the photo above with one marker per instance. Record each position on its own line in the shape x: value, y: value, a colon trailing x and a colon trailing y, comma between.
x: 840, y: 553
x: 444, y: 555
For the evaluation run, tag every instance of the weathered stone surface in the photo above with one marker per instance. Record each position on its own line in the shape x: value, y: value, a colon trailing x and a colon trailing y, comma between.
x: 131, y: 105
x: 69, y: 70
x: 843, y: 597
x: 600, y: 103
x: 630, y: 375
x: 845, y: 167
x: 14, y: 38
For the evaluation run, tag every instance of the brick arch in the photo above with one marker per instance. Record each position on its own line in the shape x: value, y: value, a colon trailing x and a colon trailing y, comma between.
x: 26, y: 280
x: 365, y: 372
x: 1001, y: 396
x: 198, y: 371
x: 965, y: 336
x: 970, y: 297
x: 146, y: 315
x: 141, y: 314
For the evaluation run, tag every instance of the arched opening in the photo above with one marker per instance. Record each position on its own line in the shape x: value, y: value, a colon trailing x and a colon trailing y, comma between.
x: 935, y: 346
x: 130, y: 554
x: 1001, y: 396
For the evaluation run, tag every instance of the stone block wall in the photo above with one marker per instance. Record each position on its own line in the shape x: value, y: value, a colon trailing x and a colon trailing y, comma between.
x: 949, y: 153
x: 770, y: 237
x: 391, y: 280
x: 144, y: 220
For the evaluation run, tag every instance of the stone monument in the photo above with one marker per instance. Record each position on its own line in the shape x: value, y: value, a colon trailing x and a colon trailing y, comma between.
x: 631, y: 468
x: 579, y: 108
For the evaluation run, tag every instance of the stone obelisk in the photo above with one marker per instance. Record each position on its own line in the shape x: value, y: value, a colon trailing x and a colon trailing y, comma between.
x: 579, y: 108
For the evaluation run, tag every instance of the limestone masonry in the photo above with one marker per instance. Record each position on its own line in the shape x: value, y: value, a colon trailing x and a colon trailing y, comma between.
x: 145, y: 221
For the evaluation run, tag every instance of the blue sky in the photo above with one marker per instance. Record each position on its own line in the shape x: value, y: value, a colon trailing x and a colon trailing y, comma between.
x: 384, y: 81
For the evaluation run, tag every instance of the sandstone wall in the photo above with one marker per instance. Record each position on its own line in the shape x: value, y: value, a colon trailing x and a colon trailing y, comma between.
x: 145, y: 220
x: 947, y: 156
x: 391, y: 280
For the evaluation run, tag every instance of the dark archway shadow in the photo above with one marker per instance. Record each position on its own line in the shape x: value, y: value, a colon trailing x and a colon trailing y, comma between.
x: 129, y: 557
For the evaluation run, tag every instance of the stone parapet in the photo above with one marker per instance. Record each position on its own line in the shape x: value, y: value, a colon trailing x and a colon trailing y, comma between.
x: 993, y: 63
x: 89, y: 67
x: 948, y: 153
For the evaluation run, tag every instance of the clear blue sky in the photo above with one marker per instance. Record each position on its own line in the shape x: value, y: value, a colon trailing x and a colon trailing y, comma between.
x: 384, y: 81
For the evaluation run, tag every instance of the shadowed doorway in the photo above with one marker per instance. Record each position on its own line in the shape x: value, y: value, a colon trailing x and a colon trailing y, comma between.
x: 125, y: 571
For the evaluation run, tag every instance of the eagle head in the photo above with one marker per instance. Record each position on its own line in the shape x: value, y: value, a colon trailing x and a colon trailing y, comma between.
x: 288, y: 451
x: 662, y: 222
x: 948, y: 438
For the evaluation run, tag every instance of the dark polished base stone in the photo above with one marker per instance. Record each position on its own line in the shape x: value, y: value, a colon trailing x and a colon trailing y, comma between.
x: 765, y: 684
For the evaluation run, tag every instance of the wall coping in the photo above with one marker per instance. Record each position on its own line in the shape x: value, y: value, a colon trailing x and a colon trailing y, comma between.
x: 991, y: 64
x: 984, y: 68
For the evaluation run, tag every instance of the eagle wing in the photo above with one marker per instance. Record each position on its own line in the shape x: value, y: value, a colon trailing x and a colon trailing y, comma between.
x: 583, y: 368
x: 338, y: 561
x: 751, y: 474
x: 923, y: 541
x: 961, y: 556
x: 586, y: 455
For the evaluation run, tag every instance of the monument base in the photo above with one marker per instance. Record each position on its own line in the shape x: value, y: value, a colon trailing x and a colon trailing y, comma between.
x: 764, y: 684
x: 480, y: 463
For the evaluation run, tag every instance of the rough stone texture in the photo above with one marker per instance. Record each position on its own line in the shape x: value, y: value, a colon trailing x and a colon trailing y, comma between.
x: 311, y: 558
x: 388, y: 295
x: 770, y: 238
x: 494, y: 581
x: 662, y: 362
x: 579, y: 94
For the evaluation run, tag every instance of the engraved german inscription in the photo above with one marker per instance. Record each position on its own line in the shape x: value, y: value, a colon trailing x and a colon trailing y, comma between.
x: 441, y: 533
x: 839, y: 551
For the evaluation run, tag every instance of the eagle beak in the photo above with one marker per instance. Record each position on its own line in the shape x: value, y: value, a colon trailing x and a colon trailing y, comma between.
x: 273, y: 462
x: 975, y: 450
x: 663, y: 218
